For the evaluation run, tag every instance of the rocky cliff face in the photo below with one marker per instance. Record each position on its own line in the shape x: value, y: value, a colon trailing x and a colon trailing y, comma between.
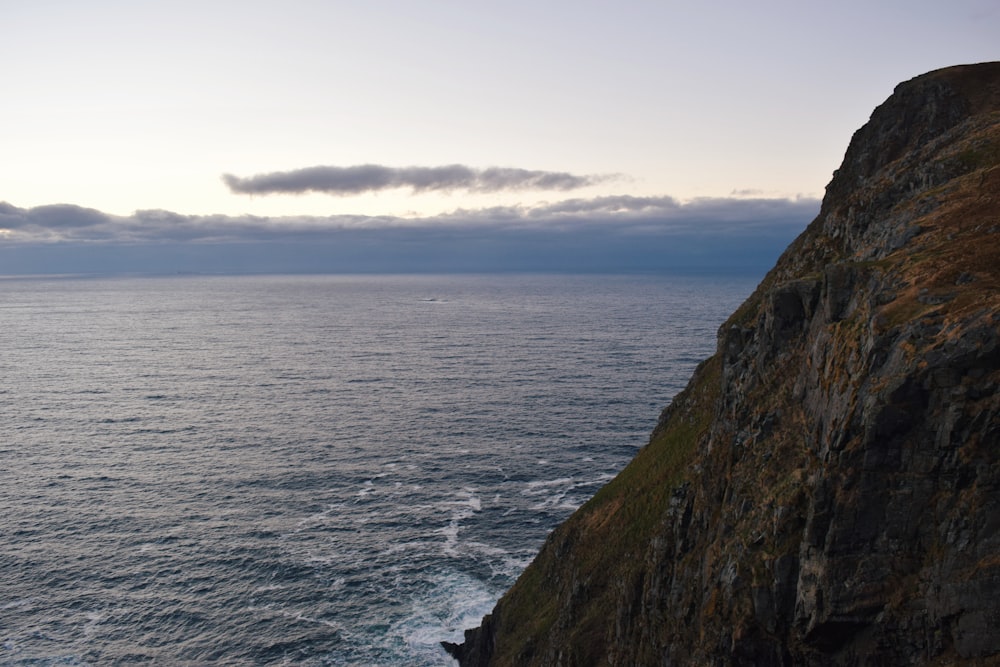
x: 826, y: 491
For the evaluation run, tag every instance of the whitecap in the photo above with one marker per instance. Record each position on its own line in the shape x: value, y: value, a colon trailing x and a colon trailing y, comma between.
x: 453, y: 602
x: 314, y: 559
x: 418, y: 546
x: 450, y: 533
x: 93, y: 620
x: 501, y: 562
x: 269, y: 588
x: 313, y: 519
x: 468, y: 498
x: 17, y: 603
x: 538, y: 486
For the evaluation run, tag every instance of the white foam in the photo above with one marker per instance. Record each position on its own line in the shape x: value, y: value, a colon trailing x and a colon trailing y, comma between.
x: 539, y: 486
x: 268, y: 588
x: 93, y: 620
x: 467, y: 505
x: 468, y: 498
x: 296, y: 616
x: 454, y: 602
x: 500, y: 561
x: 18, y: 603
x: 418, y: 546
x: 313, y: 519
x: 552, y: 494
x: 450, y: 533
x: 314, y: 559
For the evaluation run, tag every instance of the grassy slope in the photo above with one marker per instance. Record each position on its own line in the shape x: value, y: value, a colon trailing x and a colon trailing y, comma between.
x: 600, y: 547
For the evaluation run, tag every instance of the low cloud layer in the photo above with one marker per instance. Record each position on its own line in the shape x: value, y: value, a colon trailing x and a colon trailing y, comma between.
x: 615, y: 233
x: 343, y: 181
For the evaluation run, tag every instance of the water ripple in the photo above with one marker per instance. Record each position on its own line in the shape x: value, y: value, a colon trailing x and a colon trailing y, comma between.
x: 311, y: 470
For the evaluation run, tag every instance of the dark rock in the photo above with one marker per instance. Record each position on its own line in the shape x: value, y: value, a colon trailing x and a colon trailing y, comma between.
x: 826, y: 491
x: 477, y: 648
x: 838, y: 290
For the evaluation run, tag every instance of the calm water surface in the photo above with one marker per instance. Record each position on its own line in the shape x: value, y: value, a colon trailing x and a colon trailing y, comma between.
x: 311, y: 470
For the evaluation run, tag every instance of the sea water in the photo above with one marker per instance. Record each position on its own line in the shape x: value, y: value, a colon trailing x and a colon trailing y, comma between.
x: 311, y: 470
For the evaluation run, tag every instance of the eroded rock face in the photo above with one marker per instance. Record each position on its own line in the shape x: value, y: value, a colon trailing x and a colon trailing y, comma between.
x: 826, y: 491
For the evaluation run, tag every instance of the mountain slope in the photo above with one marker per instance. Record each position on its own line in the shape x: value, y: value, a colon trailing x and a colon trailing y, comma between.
x: 826, y: 490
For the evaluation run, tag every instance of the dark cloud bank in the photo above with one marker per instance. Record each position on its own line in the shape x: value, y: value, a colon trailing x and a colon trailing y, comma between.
x: 373, y: 177
x: 607, y: 234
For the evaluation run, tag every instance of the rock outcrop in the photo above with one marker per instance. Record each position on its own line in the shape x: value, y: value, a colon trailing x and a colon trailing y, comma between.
x: 826, y: 491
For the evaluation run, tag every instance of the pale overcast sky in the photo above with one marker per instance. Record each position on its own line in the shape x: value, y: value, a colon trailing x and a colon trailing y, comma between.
x: 416, y: 109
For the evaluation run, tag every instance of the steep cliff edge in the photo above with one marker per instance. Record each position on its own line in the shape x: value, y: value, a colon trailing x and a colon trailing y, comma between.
x: 826, y: 491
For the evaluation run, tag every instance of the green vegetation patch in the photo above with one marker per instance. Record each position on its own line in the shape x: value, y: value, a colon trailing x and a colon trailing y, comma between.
x: 981, y: 156
x: 644, y: 487
x: 573, y: 587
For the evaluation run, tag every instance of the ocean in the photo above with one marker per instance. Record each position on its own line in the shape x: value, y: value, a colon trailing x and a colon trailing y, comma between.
x: 311, y: 470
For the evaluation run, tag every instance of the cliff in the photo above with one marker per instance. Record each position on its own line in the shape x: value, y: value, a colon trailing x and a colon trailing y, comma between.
x: 826, y: 490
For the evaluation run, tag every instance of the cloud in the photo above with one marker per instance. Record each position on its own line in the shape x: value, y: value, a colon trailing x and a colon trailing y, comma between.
x: 373, y: 177
x: 612, y: 233
x: 53, y: 216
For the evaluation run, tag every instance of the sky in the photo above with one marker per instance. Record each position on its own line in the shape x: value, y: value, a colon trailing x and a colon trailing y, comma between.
x: 423, y: 134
